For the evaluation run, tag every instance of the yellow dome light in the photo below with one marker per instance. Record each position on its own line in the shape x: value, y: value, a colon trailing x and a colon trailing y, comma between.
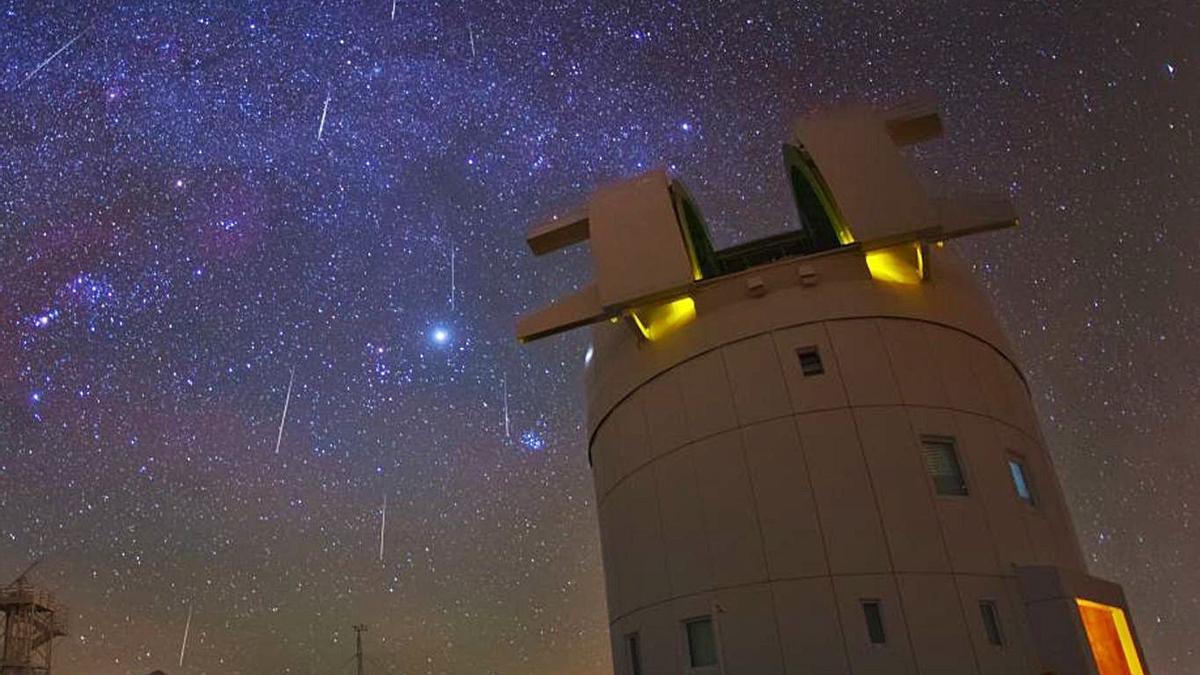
x: 659, y: 320
x: 903, y: 264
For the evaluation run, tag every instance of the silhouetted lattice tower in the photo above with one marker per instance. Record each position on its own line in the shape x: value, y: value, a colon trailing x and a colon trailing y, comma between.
x: 32, y: 619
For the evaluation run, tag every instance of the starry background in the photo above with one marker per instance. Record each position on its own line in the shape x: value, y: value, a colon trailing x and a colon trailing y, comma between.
x: 200, y: 199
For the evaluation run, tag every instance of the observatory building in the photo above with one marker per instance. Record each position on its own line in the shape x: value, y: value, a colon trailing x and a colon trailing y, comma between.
x: 816, y: 453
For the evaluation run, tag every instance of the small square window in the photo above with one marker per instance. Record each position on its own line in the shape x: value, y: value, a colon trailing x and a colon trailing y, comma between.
x: 873, y: 614
x: 635, y: 653
x: 701, y: 642
x: 941, y: 461
x: 1020, y: 478
x: 991, y: 622
x: 810, y: 361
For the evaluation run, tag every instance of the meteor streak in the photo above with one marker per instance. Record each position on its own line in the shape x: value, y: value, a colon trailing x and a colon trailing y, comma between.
x: 507, y: 427
x: 283, y: 418
x: 452, y: 283
x: 324, y: 113
x: 186, y: 628
x: 53, y: 56
x: 382, y: 526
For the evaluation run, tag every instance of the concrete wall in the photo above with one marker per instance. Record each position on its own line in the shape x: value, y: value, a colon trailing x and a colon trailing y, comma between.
x: 729, y: 484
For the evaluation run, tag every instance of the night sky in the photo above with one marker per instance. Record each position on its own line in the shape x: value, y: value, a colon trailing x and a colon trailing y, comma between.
x: 201, y: 202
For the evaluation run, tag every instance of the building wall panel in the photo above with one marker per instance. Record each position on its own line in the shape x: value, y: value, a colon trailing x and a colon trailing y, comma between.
x: 1005, y: 659
x: 723, y: 482
x: 914, y: 363
x: 936, y: 624
x: 962, y: 520
x: 994, y: 490
x: 666, y: 418
x: 1050, y: 503
x: 894, y: 657
x: 783, y: 496
x: 609, y: 542
x: 902, y: 490
x: 842, y: 490
x: 748, y: 630
x: 645, y: 579
x: 708, y: 403
x: 812, y: 642
x: 603, y: 453
x: 631, y: 443
x: 685, y: 536
x: 815, y: 392
x: 756, y: 381
x: 954, y: 350
x: 863, y: 360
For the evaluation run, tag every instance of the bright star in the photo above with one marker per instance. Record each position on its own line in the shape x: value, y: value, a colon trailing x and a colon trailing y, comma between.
x: 1170, y: 69
x: 440, y: 335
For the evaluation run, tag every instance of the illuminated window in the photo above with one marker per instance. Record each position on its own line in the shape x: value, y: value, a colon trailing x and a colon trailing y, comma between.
x: 873, y: 614
x: 701, y: 642
x: 1020, y: 478
x: 991, y: 622
x: 635, y: 653
x: 1109, y: 637
x: 941, y: 461
x: 810, y: 361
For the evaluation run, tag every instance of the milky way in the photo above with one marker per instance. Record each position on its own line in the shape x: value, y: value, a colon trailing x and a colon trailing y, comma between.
x: 199, y: 199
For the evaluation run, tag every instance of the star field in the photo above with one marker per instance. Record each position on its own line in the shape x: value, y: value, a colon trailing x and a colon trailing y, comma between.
x: 203, y: 202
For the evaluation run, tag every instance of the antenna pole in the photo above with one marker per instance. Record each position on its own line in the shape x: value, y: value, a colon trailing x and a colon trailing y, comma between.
x: 358, y: 652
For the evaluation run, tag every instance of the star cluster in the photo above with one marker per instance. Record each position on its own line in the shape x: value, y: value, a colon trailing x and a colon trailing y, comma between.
x: 211, y: 208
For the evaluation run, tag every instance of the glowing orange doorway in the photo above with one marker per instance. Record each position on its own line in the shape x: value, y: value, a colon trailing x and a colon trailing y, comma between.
x: 1109, y: 637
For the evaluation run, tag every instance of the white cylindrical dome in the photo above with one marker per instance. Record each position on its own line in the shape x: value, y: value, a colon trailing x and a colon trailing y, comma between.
x: 821, y: 472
